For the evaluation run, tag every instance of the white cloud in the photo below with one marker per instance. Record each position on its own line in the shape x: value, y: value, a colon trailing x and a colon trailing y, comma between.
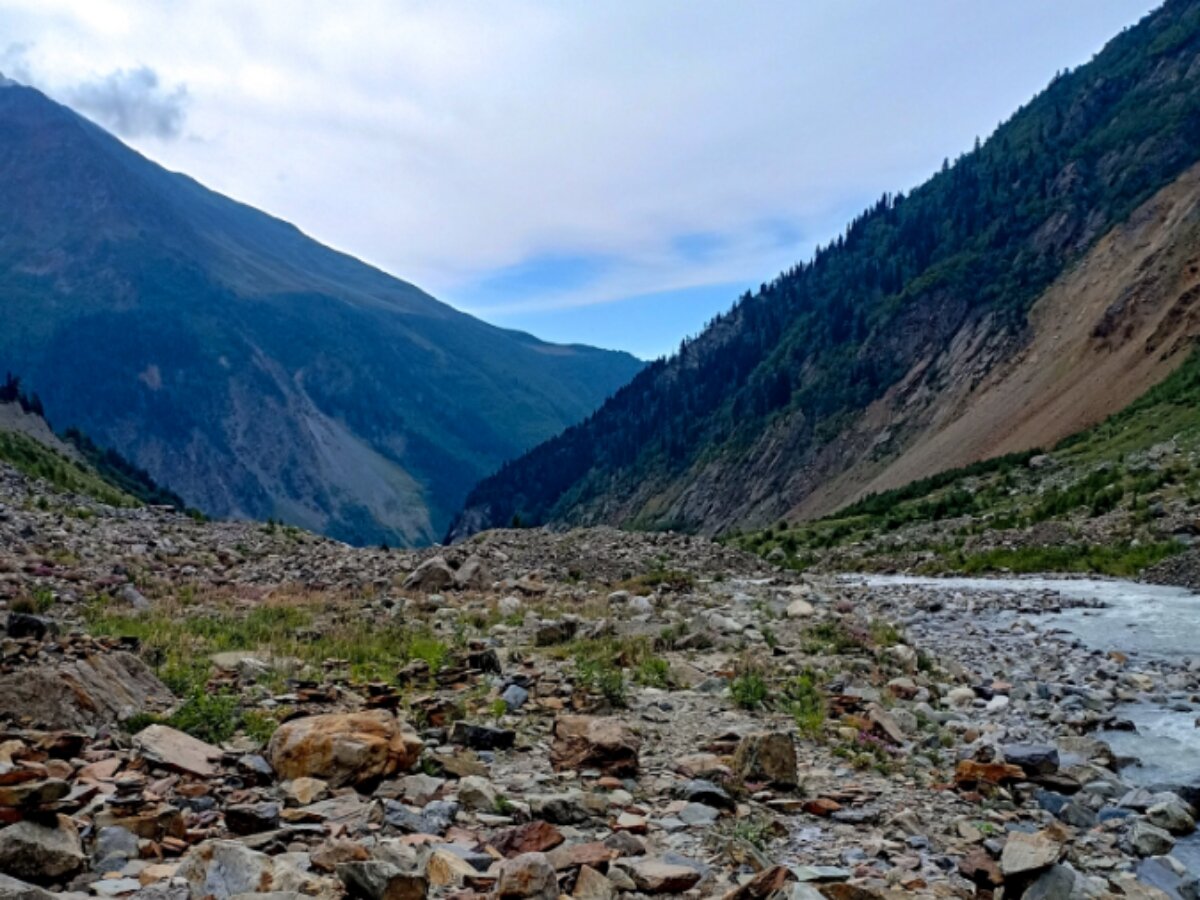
x: 445, y: 140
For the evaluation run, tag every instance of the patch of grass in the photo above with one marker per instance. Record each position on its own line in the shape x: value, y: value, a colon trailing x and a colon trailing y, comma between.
x: 211, y: 717
x: 672, y: 579
x: 62, y: 474
x: 834, y: 637
x: 884, y: 634
x: 749, y: 688
x: 1119, y: 560
x: 806, y: 702
x: 653, y: 671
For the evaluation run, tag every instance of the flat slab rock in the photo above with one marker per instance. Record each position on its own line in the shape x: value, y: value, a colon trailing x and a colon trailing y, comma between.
x: 175, y: 750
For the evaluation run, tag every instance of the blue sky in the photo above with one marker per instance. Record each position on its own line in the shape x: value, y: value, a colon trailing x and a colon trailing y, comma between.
x: 611, y: 173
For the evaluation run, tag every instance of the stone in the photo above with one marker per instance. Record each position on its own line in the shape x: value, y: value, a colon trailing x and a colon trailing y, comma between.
x: 472, y: 575
x: 24, y: 625
x: 654, y: 876
x: 700, y: 791
x: 304, y: 791
x: 96, y: 690
x: 221, y: 870
x: 14, y: 889
x: 330, y: 854
x: 594, y: 854
x: 34, y: 793
x: 588, y: 742
x: 1143, y: 839
x: 960, y: 697
x: 591, y: 885
x: 114, y: 847
x: 379, y: 880
x: 1024, y: 853
x: 800, y: 609
x: 531, y: 837
x: 482, y: 737
x: 40, y: 853
x: 478, y: 794
x: 970, y: 772
x: 528, y: 875
x: 172, y: 749
x: 979, y: 868
x: 1056, y: 883
x: 561, y: 809
x: 344, y: 748
x: 767, y: 756
x: 446, y: 869
x: 1172, y: 816
x: 432, y: 575
x: 767, y: 883
x: 514, y: 696
x: 252, y: 818
x: 1034, y: 759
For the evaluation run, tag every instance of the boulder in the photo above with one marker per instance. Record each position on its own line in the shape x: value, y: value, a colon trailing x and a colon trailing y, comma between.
x: 800, y: 609
x: 1145, y: 839
x: 591, y: 885
x: 768, y: 756
x: 220, y: 870
x: 90, y: 692
x: 41, y: 853
x: 532, y: 837
x: 527, y: 875
x: 473, y: 575
x: 432, y: 575
x: 344, y: 748
x: 1034, y: 759
x: 478, y: 794
x: 1171, y: 815
x: 1025, y: 853
x: 12, y: 889
x: 589, y: 742
x: 380, y: 880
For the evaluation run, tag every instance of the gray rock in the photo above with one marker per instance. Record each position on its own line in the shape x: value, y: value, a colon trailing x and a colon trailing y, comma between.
x: 34, y: 852
x: 378, y: 880
x: 1034, y: 759
x: 1145, y: 839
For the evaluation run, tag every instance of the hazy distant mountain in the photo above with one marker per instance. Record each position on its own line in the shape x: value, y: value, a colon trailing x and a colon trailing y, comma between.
x: 254, y: 370
x: 1034, y: 286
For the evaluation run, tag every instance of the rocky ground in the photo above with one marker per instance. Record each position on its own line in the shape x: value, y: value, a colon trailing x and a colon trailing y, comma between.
x: 194, y: 709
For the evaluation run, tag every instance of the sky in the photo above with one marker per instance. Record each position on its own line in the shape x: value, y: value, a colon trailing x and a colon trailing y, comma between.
x: 609, y: 173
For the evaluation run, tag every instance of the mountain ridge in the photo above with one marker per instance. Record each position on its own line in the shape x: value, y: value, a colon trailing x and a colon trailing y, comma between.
x: 748, y: 419
x: 259, y: 373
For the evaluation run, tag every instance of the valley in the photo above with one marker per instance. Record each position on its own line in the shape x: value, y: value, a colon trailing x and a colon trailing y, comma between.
x: 204, y: 709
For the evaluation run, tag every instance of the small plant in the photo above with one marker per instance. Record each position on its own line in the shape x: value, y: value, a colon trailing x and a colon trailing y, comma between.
x: 504, y: 806
x: 749, y: 689
x: 258, y: 725
x: 653, y: 671
x: 499, y: 708
x: 212, y: 718
x: 884, y: 634
x: 807, y: 704
x: 755, y: 831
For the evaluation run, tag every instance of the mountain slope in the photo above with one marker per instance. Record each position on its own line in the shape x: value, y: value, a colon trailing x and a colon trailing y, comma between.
x: 833, y: 370
x: 257, y: 372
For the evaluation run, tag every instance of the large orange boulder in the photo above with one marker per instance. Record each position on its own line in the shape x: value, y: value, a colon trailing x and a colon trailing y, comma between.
x: 344, y: 748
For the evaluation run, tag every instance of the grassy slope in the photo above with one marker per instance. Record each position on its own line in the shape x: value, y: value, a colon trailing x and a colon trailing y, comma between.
x: 1119, y: 489
x: 62, y: 474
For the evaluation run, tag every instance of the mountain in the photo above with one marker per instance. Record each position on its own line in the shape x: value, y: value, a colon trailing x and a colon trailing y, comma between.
x: 1024, y: 292
x: 257, y: 372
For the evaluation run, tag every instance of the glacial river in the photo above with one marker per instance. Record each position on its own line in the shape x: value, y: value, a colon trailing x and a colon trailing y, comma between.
x: 1141, y: 620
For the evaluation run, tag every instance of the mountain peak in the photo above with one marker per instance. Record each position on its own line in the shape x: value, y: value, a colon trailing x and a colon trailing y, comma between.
x: 5, y: 81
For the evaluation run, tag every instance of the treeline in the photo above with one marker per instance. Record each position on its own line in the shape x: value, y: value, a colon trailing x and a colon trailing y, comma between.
x: 986, y: 235
x: 11, y: 392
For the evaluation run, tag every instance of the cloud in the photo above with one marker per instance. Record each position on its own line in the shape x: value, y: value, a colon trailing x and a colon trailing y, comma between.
x: 133, y: 103
x: 517, y: 155
x: 14, y: 63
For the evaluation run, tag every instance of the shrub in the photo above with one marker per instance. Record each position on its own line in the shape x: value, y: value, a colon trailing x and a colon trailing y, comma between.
x: 749, y: 689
